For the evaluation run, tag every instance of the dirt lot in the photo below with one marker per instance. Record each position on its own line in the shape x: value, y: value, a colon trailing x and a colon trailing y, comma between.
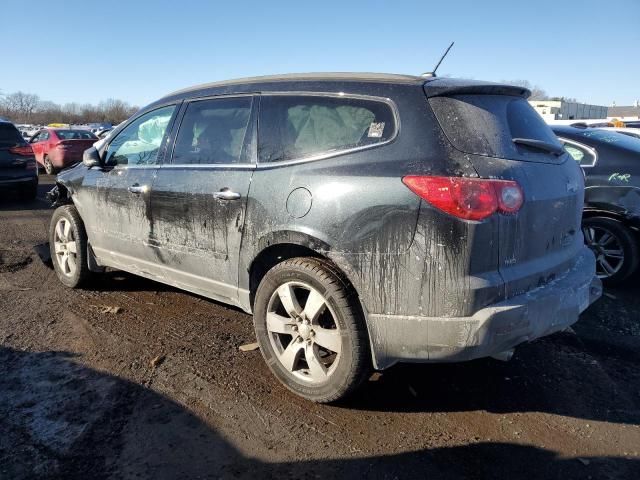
x: 81, y: 397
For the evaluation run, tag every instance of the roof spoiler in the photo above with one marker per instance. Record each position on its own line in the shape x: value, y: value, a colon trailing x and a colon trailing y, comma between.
x: 443, y: 87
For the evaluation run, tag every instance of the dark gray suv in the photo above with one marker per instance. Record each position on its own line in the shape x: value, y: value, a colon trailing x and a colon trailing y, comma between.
x: 364, y: 219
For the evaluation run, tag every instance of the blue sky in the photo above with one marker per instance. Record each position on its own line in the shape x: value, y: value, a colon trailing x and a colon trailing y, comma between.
x: 85, y: 51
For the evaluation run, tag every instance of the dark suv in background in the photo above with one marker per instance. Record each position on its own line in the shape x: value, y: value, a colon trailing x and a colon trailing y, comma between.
x: 18, y: 169
x: 364, y: 219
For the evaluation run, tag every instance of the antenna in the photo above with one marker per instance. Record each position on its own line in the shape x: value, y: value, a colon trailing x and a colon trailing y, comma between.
x: 433, y: 73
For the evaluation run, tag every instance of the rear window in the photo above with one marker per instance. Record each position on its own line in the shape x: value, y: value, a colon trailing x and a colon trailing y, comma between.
x: 305, y: 126
x: 487, y: 124
x: 9, y: 135
x: 75, y: 135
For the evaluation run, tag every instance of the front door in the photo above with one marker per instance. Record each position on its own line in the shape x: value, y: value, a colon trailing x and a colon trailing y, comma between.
x: 199, y: 198
x: 117, y: 198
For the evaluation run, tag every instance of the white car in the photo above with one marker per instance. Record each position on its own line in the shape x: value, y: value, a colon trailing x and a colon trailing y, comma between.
x: 632, y: 132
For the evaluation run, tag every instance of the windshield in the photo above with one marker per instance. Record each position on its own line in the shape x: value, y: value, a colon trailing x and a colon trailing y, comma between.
x: 75, y: 135
x: 614, y: 138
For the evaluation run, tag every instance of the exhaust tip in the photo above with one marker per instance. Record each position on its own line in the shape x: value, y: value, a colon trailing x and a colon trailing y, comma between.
x: 504, y: 356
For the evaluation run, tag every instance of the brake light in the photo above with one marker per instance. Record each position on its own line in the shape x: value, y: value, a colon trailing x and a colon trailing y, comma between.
x: 467, y: 198
x: 22, y: 150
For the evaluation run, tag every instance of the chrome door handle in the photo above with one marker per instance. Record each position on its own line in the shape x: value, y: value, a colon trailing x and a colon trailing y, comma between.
x: 135, y: 188
x: 226, y: 194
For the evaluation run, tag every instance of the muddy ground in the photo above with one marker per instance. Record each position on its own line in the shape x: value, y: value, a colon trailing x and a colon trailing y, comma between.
x: 81, y: 397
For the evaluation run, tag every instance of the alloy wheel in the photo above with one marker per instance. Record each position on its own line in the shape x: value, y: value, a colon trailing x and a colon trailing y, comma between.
x: 607, y: 249
x: 65, y: 247
x: 306, y: 339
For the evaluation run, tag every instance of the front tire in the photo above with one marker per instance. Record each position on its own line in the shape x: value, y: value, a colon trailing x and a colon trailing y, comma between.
x: 614, y: 246
x: 310, y: 329
x: 68, y: 246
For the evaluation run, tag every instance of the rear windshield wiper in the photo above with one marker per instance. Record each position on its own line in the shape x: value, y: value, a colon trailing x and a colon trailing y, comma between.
x: 540, y: 145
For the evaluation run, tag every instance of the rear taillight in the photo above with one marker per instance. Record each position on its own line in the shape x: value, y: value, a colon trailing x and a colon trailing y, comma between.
x: 23, y: 150
x: 468, y: 198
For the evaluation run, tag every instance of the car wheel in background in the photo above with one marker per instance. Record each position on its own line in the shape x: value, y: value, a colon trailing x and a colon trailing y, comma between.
x: 48, y: 166
x: 614, y: 246
x: 68, y: 246
x: 310, y: 329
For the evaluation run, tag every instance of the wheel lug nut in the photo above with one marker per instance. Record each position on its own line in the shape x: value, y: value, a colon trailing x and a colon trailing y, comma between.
x: 295, y: 328
x: 300, y: 340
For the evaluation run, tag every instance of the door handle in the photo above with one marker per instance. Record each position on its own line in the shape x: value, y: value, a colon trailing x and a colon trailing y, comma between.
x: 136, y: 188
x: 226, y: 194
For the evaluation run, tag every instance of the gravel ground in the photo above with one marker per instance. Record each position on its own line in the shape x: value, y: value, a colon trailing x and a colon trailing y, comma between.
x: 160, y: 390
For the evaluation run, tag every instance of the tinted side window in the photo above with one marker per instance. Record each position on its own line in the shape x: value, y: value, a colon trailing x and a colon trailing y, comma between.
x: 9, y: 135
x: 139, y: 143
x: 44, y: 135
x: 293, y: 127
x: 213, y: 131
x: 580, y: 154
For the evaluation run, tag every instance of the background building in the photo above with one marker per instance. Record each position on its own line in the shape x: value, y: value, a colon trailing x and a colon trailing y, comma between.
x: 632, y: 112
x: 561, y: 110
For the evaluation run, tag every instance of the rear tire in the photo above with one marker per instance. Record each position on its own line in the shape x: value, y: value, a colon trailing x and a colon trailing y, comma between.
x: 68, y: 246
x: 48, y: 166
x: 615, y: 248
x: 319, y: 351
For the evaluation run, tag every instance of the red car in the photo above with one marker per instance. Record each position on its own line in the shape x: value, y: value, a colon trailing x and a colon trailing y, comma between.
x: 55, y: 148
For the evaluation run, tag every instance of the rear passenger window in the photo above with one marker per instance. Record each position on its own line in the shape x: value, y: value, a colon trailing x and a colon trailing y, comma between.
x: 303, y: 126
x: 213, y: 131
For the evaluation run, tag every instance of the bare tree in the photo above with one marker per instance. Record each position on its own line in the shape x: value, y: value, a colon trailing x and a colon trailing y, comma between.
x: 23, y: 107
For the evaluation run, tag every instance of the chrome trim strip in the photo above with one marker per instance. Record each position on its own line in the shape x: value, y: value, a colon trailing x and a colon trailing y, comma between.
x: 589, y: 149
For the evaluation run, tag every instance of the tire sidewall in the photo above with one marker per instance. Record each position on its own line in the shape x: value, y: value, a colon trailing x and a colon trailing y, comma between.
x: 67, y: 212
x: 340, y: 379
x: 48, y: 166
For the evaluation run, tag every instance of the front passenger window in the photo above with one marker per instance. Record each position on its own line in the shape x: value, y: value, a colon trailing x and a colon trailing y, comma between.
x: 213, y: 131
x: 139, y: 143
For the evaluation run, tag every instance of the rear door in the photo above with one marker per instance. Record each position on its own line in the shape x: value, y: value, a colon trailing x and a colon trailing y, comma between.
x: 504, y: 138
x: 36, y: 145
x: 198, y: 200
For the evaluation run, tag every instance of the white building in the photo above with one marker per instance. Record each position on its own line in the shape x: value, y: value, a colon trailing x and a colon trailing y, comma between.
x: 560, y: 110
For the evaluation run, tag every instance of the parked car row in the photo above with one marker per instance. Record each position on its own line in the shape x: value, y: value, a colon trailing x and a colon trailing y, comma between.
x: 364, y: 219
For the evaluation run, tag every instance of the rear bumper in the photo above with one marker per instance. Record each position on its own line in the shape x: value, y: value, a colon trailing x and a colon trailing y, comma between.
x: 491, y: 330
x: 61, y: 159
x: 18, y: 182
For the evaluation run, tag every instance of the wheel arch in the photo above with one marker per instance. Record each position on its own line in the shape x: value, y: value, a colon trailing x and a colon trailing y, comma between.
x: 622, y: 216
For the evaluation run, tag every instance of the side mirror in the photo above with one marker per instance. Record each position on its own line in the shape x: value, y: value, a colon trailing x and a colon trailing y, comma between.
x: 91, y: 157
